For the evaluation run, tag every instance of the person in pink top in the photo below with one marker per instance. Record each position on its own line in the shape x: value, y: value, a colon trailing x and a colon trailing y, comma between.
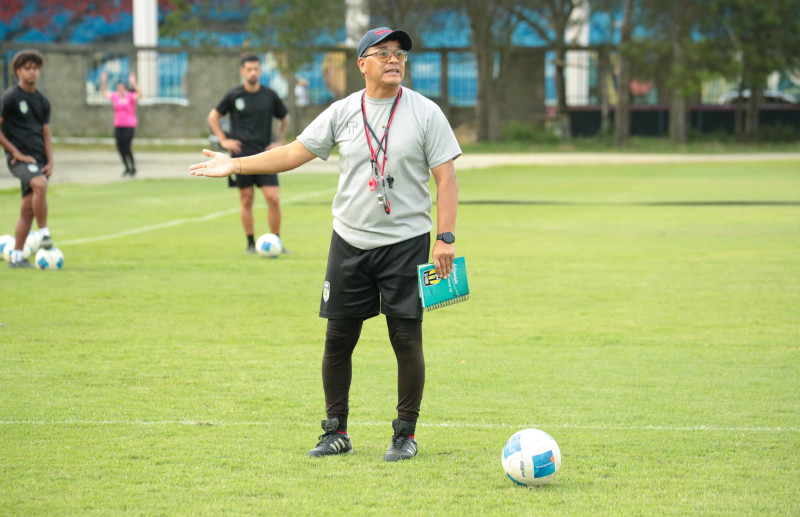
x: 124, y: 102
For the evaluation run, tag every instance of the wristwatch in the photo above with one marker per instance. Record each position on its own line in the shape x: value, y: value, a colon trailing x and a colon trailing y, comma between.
x: 447, y: 237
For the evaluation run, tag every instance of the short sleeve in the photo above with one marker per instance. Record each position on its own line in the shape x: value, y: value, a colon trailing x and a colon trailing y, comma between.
x: 278, y: 107
x: 45, y: 111
x: 441, y: 144
x: 3, y: 104
x: 225, y: 104
x: 319, y: 136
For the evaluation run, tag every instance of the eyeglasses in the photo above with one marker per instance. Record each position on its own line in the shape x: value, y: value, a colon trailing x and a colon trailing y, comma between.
x: 383, y: 55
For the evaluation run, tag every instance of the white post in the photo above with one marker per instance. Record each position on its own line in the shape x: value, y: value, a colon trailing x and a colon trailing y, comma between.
x: 145, y: 34
x: 356, y: 21
x: 577, y: 72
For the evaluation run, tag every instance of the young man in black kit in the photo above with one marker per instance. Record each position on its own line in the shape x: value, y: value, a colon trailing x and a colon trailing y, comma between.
x: 252, y: 107
x: 25, y: 135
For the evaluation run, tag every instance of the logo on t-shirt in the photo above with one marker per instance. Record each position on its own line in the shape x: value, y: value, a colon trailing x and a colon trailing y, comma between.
x: 239, y: 103
x: 326, y: 291
x: 23, y: 107
x: 350, y: 131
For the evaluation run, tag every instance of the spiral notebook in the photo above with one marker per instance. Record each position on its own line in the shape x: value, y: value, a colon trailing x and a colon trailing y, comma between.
x: 435, y: 292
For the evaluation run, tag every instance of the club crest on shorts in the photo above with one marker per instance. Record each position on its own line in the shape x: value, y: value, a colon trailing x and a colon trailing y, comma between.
x: 23, y: 107
x: 239, y: 103
x: 32, y: 167
x: 326, y: 291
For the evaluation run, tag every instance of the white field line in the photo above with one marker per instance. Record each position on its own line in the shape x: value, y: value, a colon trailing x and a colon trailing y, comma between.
x: 455, y: 425
x: 178, y: 222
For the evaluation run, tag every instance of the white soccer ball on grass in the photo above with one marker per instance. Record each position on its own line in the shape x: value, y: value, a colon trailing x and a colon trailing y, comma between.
x: 269, y: 245
x: 531, y: 458
x: 32, y: 244
x: 9, y: 245
x: 49, y: 259
x: 6, y: 244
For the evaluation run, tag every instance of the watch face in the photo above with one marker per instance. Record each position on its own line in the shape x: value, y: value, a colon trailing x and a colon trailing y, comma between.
x: 448, y: 237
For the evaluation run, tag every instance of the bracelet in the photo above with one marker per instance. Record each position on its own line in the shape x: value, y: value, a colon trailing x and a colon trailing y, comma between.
x: 240, y: 165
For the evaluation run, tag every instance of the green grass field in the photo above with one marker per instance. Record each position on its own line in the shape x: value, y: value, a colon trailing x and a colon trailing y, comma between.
x: 647, y: 317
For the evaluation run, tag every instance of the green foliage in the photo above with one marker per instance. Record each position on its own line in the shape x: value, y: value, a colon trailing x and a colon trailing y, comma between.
x: 780, y: 133
x: 296, y: 27
x: 757, y: 38
x: 645, y: 316
x: 527, y: 134
x: 187, y: 21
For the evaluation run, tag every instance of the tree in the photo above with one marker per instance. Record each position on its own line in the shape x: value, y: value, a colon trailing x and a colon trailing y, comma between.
x: 491, y: 27
x: 758, y: 38
x: 672, y: 45
x: 622, y: 121
x: 610, y: 8
x: 551, y: 19
x: 415, y: 16
x: 297, y: 28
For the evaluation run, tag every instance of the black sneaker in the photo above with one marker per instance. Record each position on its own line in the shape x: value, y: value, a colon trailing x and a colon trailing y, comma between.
x: 47, y: 242
x: 404, y: 446
x: 23, y: 264
x: 332, y: 442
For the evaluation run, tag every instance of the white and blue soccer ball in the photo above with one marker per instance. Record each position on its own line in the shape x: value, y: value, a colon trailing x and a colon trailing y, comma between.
x: 49, y: 259
x: 6, y: 244
x: 531, y: 458
x: 269, y: 245
x: 32, y: 244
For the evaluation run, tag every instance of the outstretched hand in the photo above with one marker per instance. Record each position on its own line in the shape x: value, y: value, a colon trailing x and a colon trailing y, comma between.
x: 219, y: 166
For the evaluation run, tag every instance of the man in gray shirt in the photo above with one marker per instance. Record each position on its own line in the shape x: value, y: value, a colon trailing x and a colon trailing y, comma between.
x: 390, y: 140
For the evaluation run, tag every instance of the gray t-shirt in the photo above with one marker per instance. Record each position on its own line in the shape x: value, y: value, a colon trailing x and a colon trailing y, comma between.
x: 420, y: 138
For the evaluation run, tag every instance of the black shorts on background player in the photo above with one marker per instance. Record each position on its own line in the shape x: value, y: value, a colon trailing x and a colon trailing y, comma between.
x: 25, y: 172
x: 248, y: 180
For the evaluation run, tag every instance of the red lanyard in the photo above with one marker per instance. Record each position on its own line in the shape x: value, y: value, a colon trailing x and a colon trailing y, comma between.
x: 382, y: 144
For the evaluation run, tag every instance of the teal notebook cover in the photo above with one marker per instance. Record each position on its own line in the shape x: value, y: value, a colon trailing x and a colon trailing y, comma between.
x: 435, y: 292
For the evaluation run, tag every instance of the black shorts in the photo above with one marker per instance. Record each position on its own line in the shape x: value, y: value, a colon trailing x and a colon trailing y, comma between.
x: 363, y: 283
x: 248, y: 180
x: 25, y: 172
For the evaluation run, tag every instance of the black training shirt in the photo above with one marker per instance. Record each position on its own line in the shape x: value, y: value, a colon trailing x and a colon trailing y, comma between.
x: 24, y: 116
x: 251, y: 116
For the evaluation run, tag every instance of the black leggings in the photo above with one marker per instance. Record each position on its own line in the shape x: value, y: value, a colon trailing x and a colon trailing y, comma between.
x: 124, y: 138
x: 340, y: 340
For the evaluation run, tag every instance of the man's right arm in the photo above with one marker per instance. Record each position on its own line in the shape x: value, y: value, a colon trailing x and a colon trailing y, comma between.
x: 229, y: 144
x: 280, y: 159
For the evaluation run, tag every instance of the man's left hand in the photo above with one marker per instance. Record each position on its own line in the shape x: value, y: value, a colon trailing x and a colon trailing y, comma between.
x: 443, y: 256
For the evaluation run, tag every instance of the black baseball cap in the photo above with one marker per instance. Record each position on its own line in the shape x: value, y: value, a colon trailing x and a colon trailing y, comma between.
x: 375, y: 36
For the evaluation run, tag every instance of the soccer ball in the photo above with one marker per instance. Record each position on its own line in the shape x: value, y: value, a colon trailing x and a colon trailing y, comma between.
x: 6, y: 244
x: 269, y: 245
x: 531, y: 458
x: 29, y: 249
x: 32, y: 244
x: 49, y: 259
